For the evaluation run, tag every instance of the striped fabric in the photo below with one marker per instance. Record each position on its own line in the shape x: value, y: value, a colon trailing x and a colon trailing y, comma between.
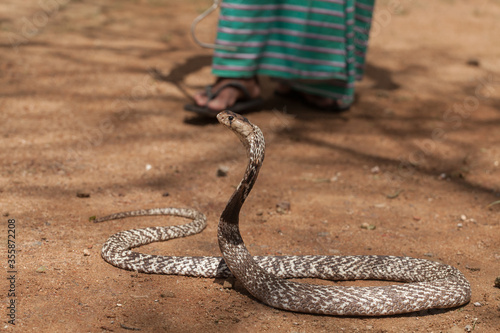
x: 298, y: 40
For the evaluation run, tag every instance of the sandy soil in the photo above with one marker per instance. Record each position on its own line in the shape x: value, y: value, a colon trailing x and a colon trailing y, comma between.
x: 82, y: 112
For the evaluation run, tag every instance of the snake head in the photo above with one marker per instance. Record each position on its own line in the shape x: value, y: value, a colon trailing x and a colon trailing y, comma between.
x: 229, y: 118
x: 238, y: 124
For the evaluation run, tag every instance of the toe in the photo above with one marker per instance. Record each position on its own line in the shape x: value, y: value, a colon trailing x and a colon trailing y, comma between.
x: 226, y: 98
x: 201, y: 99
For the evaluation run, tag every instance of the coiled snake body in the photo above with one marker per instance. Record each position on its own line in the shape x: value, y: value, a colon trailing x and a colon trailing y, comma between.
x: 428, y: 284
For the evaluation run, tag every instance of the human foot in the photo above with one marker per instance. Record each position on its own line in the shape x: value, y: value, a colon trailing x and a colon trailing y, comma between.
x: 225, y: 93
x: 315, y: 101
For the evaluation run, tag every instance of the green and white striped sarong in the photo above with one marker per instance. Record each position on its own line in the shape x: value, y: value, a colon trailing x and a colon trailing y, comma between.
x: 319, y: 45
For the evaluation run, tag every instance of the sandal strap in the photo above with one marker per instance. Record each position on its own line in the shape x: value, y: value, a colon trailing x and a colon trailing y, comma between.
x: 211, y: 94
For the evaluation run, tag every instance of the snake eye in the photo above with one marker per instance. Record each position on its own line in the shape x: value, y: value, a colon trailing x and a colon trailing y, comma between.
x: 231, y: 118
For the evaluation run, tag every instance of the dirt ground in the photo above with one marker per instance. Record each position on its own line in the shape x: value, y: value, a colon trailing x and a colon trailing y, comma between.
x: 91, y: 100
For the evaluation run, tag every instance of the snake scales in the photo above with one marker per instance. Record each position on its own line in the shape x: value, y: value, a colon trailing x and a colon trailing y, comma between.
x: 428, y: 284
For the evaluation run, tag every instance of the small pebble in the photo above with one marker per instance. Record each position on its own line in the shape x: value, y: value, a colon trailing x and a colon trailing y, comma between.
x: 460, y: 225
x: 477, y: 304
x: 149, y: 167
x: 375, y: 169
x: 417, y: 218
x: 41, y: 269
x: 323, y: 234
x: 429, y: 254
x: 463, y: 217
x: 442, y: 176
x: 168, y: 294
x: 367, y: 226
x: 118, y: 304
x: 497, y: 282
x: 86, y: 252
x: 222, y: 171
x: 165, y: 194
x: 82, y: 194
x: 473, y: 62
x: 468, y: 328
x: 283, y: 207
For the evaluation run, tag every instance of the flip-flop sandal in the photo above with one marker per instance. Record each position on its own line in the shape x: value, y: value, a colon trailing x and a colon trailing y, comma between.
x: 243, y: 105
x: 297, y: 95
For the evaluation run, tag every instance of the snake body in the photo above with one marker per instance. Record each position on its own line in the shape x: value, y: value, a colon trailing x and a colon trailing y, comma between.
x: 427, y: 284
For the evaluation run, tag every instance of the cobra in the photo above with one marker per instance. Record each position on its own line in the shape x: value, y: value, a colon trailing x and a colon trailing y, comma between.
x: 427, y: 284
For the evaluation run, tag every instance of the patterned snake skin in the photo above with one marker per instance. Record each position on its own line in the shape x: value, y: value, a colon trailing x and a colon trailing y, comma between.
x: 428, y: 284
